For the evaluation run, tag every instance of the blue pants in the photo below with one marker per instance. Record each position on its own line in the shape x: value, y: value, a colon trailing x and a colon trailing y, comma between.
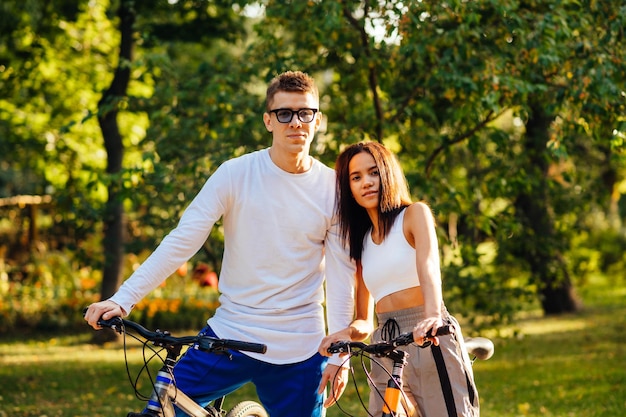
x: 284, y: 390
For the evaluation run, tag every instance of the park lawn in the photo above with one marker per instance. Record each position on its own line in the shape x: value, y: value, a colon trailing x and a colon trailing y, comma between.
x: 568, y: 366
x: 572, y: 365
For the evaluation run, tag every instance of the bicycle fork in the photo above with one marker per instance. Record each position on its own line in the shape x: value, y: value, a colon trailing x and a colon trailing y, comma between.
x: 159, y: 403
x: 393, y: 392
x: 165, y: 395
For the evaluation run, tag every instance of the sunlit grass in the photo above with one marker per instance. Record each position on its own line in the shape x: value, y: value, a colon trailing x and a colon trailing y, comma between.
x: 572, y: 365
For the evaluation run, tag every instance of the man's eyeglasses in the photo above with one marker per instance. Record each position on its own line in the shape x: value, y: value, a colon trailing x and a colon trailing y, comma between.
x: 286, y: 115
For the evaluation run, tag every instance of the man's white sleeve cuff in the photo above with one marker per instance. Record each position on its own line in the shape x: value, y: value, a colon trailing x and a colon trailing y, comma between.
x: 343, y: 361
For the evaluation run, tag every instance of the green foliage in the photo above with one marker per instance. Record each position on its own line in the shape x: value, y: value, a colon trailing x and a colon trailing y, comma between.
x: 450, y: 86
x: 453, y: 86
x: 487, y: 298
x: 198, y: 120
x: 598, y: 252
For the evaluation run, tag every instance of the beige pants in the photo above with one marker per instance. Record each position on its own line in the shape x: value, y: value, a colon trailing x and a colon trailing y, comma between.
x: 437, y: 381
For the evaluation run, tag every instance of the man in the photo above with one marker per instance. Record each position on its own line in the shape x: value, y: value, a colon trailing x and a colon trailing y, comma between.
x: 279, y: 240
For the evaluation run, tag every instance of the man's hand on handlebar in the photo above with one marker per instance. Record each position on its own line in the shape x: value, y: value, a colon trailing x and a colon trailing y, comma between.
x: 104, y: 309
x: 332, y: 338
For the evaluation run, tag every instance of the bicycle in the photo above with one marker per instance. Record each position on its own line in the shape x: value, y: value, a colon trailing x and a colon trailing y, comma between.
x: 164, y: 391
x: 478, y: 347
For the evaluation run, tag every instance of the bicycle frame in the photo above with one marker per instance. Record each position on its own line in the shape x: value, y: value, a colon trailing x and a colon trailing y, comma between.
x: 394, y: 398
x: 393, y: 392
x: 479, y: 347
x: 165, y: 393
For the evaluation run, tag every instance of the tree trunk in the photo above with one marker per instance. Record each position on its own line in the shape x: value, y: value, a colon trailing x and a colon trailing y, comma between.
x: 541, y: 245
x: 114, y: 221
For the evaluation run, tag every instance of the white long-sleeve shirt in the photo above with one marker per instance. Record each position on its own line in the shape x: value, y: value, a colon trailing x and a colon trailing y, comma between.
x: 277, y: 228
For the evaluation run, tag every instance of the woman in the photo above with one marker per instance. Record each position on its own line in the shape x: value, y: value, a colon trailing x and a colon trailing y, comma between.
x: 394, y: 244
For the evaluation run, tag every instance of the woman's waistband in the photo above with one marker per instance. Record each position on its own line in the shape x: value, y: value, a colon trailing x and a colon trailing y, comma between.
x: 407, y: 318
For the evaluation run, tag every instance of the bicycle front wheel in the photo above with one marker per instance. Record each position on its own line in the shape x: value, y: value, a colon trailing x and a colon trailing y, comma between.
x: 247, y: 409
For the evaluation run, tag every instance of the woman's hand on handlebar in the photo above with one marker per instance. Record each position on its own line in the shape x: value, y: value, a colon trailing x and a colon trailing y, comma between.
x: 102, y: 310
x: 427, y: 326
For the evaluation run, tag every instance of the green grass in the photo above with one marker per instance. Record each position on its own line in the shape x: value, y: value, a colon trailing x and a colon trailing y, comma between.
x: 573, y: 365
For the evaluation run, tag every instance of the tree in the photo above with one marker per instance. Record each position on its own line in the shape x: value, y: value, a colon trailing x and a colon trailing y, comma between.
x: 441, y: 83
x: 51, y: 58
x: 493, y: 108
x: 57, y: 88
x: 169, y: 31
x: 108, y: 105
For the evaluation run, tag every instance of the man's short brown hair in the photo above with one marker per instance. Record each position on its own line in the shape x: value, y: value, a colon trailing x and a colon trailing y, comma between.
x: 291, y: 81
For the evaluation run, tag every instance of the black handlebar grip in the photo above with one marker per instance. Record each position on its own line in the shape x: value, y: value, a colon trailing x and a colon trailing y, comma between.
x: 407, y: 338
x: 114, y: 321
x: 404, y: 339
x: 104, y: 323
x: 338, y: 347
x: 212, y: 344
x: 244, y: 346
x: 441, y: 331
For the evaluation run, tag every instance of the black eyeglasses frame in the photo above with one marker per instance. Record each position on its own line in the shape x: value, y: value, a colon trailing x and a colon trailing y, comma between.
x: 294, y: 112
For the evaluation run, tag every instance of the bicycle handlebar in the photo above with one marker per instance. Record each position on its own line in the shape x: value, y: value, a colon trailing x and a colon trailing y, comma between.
x: 159, y: 338
x: 384, y: 347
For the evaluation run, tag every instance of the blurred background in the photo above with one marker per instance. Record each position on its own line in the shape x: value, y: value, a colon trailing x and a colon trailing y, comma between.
x: 507, y: 116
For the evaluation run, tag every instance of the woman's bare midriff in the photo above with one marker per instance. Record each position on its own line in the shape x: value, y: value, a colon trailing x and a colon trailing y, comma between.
x: 411, y: 297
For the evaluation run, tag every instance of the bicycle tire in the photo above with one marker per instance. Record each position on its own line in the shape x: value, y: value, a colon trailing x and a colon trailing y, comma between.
x: 247, y: 409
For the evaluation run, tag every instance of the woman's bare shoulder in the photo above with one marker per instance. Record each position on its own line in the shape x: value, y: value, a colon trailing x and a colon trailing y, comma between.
x: 418, y: 215
x: 419, y: 208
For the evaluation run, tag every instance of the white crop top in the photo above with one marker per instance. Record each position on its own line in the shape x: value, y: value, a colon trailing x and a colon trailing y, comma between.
x: 390, y: 266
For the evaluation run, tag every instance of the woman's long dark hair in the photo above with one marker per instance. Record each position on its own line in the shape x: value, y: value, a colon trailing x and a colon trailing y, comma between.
x: 354, y: 222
